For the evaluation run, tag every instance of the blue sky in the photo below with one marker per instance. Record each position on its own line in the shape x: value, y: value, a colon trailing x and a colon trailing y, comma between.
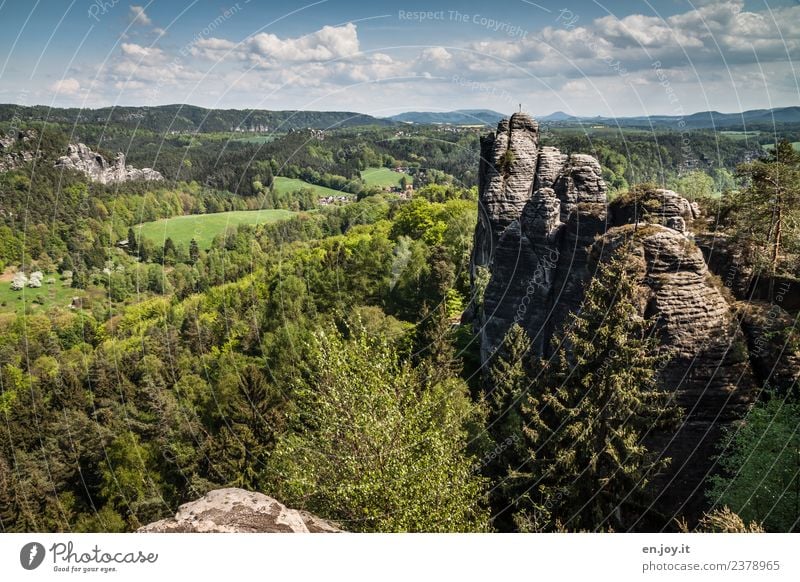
x: 380, y: 57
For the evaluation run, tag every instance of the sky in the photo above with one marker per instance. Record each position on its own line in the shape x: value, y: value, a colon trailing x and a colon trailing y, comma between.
x: 609, y: 58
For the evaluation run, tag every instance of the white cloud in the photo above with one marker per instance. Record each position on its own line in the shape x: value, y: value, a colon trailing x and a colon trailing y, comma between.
x: 134, y: 50
x: 268, y: 50
x: 137, y: 15
x: 603, y: 63
x: 66, y: 87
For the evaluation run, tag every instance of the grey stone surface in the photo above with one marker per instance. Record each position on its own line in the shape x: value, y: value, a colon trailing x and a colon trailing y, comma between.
x: 82, y: 159
x: 541, y: 248
x: 239, y: 511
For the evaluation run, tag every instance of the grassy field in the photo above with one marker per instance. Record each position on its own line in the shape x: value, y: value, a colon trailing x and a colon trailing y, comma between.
x: 740, y: 134
x: 283, y: 185
x: 204, y: 227
x: 383, y: 177
x: 58, y: 294
x: 259, y: 139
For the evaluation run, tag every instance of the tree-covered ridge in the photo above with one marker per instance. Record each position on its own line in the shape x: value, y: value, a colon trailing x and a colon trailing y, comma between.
x: 189, y: 118
x: 188, y: 367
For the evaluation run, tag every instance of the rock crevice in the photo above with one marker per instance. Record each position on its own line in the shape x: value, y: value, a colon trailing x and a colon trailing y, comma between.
x: 543, y: 228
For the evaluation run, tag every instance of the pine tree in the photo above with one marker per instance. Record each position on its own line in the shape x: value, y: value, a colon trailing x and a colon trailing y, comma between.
x: 133, y: 247
x: 509, y: 381
x: 194, y: 252
x: 766, y: 210
x: 587, y: 412
x: 169, y: 252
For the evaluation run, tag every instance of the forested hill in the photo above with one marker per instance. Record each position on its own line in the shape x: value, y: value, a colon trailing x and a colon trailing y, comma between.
x: 190, y: 118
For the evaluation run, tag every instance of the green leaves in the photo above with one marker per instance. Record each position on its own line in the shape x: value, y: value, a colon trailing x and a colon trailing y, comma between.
x: 375, y: 446
x: 760, y: 462
x: 587, y: 409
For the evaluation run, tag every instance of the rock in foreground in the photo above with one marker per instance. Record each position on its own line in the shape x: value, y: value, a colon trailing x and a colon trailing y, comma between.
x: 239, y: 511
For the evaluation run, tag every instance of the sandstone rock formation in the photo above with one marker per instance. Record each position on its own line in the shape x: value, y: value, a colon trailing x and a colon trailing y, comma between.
x: 236, y: 510
x: 79, y: 157
x: 507, y: 166
x: 707, y: 368
x: 15, y: 149
x: 537, y: 216
x: 543, y: 227
x: 658, y: 205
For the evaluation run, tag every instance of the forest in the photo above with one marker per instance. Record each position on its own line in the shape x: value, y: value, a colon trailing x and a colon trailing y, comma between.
x: 323, y: 359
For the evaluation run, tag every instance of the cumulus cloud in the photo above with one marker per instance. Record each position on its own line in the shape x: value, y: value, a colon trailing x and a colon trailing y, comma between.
x: 66, y: 87
x: 268, y: 50
x: 137, y: 16
x: 720, y: 46
x: 134, y: 50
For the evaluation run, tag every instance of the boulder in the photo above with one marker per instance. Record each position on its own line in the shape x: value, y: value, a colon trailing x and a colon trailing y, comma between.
x: 239, y: 511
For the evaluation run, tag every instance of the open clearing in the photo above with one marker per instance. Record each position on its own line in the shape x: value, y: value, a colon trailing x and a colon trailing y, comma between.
x: 204, y: 227
x: 383, y: 177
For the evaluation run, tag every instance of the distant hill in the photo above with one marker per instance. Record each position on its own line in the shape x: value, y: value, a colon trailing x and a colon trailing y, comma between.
x: 191, y: 118
x: 701, y: 120
x: 458, y: 117
x: 556, y: 116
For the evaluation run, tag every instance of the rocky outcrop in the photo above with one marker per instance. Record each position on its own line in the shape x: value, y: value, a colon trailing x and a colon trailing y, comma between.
x: 707, y: 368
x: 655, y: 205
x: 16, y: 149
x: 539, y: 248
x: 239, y: 511
x: 80, y: 158
x: 507, y: 167
x: 745, y: 282
x: 535, y: 225
x: 771, y: 339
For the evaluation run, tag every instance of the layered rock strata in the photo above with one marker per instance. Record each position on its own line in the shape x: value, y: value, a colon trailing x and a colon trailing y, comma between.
x: 543, y: 228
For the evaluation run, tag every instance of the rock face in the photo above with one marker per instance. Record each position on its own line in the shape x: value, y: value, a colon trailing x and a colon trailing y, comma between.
x: 537, y: 216
x: 79, y: 157
x: 539, y: 247
x: 15, y: 149
x: 507, y: 167
x: 239, y: 511
x: 708, y: 367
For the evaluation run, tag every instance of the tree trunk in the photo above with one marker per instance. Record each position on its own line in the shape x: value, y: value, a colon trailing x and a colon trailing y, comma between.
x: 775, y: 251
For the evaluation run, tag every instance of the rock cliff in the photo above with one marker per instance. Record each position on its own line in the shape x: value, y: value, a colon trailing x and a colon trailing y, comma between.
x: 16, y: 149
x: 544, y: 226
x: 239, y: 511
x: 80, y: 158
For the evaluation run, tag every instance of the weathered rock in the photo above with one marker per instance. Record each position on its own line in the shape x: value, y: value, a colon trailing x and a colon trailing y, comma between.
x: 745, y: 282
x: 776, y: 360
x: 548, y: 167
x: 542, y: 248
x: 707, y: 369
x: 15, y: 149
x: 656, y: 205
x: 80, y: 158
x: 507, y: 167
x: 538, y: 263
x: 239, y: 511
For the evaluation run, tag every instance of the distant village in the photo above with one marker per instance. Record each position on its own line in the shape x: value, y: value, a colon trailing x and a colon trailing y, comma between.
x: 403, y: 192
